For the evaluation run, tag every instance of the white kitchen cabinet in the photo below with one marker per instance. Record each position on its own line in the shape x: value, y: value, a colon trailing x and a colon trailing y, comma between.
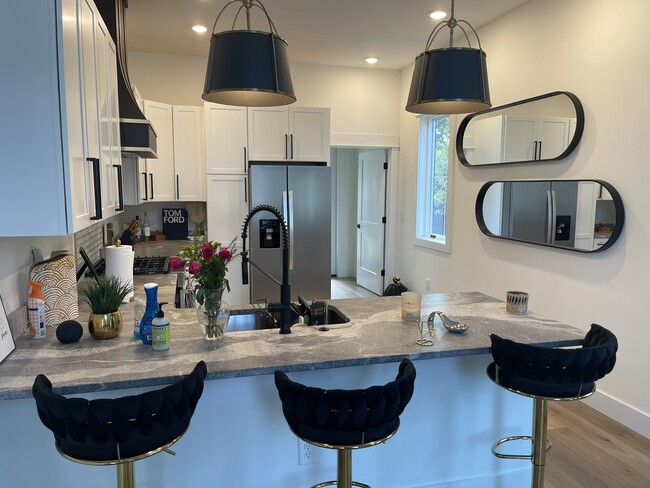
x: 225, y: 138
x: 160, y: 176
x: 535, y: 138
x: 189, y: 162
x: 178, y: 174
x: 55, y: 99
x: 288, y: 134
x: 227, y: 197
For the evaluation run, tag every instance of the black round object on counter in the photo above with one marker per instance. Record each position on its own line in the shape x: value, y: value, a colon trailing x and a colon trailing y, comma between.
x: 69, y: 331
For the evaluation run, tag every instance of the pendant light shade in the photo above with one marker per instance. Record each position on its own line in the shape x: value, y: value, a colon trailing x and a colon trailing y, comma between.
x: 451, y: 80
x: 248, y: 67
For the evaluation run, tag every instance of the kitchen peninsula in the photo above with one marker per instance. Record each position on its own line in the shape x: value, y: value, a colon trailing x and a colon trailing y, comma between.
x: 238, y: 437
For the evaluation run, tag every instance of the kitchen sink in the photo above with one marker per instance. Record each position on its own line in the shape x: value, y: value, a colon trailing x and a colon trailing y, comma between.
x: 241, y: 320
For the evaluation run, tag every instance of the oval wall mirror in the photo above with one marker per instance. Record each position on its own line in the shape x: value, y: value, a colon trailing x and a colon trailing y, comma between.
x: 543, y: 128
x: 579, y: 215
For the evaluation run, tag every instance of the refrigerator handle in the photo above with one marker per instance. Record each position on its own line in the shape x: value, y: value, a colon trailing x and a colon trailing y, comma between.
x: 553, y: 216
x: 549, y: 214
x: 291, y: 230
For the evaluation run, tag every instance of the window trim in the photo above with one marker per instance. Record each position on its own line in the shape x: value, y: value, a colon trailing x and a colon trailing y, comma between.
x: 422, y: 196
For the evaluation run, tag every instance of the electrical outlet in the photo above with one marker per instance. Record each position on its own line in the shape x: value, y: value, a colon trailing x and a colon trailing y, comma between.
x: 307, y: 453
x: 427, y: 284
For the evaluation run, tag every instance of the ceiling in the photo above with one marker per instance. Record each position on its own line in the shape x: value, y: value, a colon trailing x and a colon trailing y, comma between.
x: 325, y: 32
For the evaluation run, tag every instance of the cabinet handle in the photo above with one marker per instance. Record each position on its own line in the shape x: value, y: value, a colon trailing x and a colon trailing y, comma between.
x: 245, y: 190
x: 286, y: 146
x: 534, y: 150
x: 151, y: 178
x: 120, y: 189
x: 245, y: 159
x: 291, y: 146
x: 178, y: 189
x: 539, y: 150
x: 97, y: 188
x: 146, y: 188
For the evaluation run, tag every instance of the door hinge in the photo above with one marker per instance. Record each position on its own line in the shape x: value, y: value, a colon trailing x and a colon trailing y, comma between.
x: 383, y: 220
x: 386, y: 165
x: 383, y: 272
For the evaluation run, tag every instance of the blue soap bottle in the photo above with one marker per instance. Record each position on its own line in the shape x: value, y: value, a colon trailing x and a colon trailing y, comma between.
x: 150, y: 311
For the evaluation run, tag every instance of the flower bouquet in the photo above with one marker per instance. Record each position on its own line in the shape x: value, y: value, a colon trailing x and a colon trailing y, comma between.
x: 207, y: 265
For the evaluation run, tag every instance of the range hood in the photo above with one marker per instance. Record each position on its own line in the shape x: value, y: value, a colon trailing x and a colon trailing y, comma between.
x: 136, y: 133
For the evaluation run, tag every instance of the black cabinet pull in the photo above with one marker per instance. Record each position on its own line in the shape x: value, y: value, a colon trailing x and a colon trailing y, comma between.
x: 146, y: 188
x: 539, y: 151
x: 97, y: 188
x: 286, y: 146
x: 120, y: 189
x: 151, y: 178
x: 291, y: 146
x: 178, y: 189
x: 245, y: 190
x: 245, y: 160
x: 358, y: 226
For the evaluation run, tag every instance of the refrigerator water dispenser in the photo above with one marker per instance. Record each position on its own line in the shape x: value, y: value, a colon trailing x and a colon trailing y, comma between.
x: 269, y: 233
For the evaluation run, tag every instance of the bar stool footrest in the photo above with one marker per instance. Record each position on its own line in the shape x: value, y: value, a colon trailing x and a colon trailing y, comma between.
x: 516, y: 438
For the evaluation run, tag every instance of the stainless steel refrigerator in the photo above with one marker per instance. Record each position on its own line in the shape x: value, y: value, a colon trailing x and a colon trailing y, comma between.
x: 541, y: 211
x: 302, y: 193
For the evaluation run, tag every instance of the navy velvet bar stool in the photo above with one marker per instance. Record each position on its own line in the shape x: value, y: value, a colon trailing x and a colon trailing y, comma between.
x: 346, y: 419
x: 123, y: 430
x: 545, y: 373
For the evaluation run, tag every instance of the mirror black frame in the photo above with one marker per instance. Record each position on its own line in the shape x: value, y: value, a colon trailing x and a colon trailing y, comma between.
x: 616, y: 198
x: 580, y: 125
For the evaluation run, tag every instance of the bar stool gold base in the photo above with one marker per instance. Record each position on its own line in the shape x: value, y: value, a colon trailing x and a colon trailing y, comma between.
x: 344, y: 461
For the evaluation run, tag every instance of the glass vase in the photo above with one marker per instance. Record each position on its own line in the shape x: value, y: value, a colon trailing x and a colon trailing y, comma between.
x: 213, y: 315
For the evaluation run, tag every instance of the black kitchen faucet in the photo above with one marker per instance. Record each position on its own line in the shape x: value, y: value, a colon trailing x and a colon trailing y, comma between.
x: 285, y: 288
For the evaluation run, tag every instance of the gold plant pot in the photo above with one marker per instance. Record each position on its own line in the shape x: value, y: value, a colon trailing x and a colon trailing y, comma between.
x: 105, y: 326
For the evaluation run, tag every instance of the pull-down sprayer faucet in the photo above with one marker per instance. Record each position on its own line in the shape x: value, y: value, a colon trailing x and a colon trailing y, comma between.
x: 285, y: 288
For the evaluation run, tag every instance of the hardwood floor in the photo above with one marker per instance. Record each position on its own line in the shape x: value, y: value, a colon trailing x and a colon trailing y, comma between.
x: 590, y: 450
x: 348, y: 288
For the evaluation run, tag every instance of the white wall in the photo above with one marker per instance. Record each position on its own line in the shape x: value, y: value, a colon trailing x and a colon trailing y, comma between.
x: 346, y: 211
x: 543, y: 46
x: 363, y: 102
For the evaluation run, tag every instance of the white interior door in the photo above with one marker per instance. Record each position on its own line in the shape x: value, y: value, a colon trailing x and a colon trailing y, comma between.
x: 371, y: 205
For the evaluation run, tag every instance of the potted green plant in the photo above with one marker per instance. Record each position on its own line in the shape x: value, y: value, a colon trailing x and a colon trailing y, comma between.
x: 104, y: 297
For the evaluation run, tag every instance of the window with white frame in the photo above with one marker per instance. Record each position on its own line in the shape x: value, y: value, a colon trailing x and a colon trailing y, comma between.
x: 433, y: 211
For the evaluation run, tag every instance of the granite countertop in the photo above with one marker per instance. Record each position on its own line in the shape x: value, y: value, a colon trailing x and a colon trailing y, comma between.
x: 375, y: 334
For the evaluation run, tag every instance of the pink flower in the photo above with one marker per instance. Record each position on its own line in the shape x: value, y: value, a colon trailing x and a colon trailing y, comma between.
x: 176, y: 263
x: 225, y: 254
x: 208, y: 251
x: 195, y: 268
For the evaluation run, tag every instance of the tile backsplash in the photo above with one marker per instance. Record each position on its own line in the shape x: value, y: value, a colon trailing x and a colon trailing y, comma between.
x: 92, y: 240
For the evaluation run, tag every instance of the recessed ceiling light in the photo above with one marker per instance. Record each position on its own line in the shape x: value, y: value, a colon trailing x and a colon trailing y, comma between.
x: 437, y: 15
x: 371, y: 60
x: 199, y: 28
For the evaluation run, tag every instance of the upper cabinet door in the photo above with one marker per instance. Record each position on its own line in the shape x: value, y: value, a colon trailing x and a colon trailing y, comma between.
x: 225, y: 139
x: 161, y: 176
x: 189, y: 162
x: 289, y: 134
x: 309, y: 134
x: 268, y: 134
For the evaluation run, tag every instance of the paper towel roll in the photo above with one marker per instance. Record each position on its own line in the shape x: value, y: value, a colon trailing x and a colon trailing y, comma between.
x: 119, y: 262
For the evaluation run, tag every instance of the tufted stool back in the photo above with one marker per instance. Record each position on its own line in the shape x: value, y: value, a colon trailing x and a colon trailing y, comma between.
x: 346, y: 417
x: 94, y: 430
x: 554, y: 372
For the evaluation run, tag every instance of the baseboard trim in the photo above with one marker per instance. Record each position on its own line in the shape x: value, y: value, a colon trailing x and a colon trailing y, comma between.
x: 619, y: 411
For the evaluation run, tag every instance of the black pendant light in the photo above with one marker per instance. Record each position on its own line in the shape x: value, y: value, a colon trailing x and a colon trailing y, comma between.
x: 450, y: 80
x: 248, y: 68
